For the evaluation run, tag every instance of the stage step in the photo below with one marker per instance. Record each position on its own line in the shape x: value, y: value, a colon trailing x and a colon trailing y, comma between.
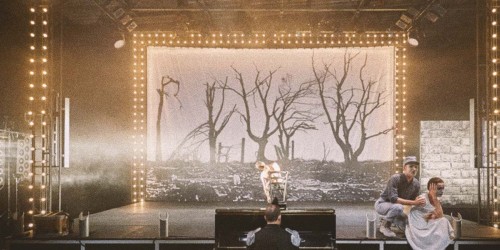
x: 209, y: 244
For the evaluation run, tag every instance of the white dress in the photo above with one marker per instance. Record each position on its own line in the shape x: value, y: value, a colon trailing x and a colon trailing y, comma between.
x: 265, y: 178
x: 435, y: 234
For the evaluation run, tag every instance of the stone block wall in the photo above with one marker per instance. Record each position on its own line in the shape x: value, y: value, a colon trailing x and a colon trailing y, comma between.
x: 445, y: 153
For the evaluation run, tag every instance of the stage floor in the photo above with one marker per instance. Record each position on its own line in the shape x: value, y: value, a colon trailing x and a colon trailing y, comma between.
x: 197, y: 220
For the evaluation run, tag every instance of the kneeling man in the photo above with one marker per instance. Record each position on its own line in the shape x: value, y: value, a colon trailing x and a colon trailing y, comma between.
x: 402, y: 189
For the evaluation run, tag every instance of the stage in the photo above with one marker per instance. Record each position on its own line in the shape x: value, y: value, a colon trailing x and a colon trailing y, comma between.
x: 191, y: 226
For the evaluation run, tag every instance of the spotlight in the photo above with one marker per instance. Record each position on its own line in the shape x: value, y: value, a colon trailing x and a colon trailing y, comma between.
x: 132, y: 25
x: 413, y: 38
x: 404, y: 22
x: 117, y: 10
x: 120, y: 43
x: 435, y: 12
x: 407, y: 19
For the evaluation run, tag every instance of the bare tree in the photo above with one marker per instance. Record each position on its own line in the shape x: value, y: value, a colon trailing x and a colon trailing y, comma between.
x: 208, y: 130
x: 258, y: 93
x: 292, y: 114
x: 348, y: 108
x: 214, y: 114
x: 163, y: 93
x: 192, y: 141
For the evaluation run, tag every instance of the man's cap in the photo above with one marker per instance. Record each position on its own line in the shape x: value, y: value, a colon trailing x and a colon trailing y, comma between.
x: 410, y: 160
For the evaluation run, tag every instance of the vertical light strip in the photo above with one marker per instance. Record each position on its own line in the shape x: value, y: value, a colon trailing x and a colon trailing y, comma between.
x: 136, y: 105
x: 33, y: 103
x: 493, y: 27
x: 44, y: 106
x: 400, y: 102
x: 139, y: 116
x: 38, y: 114
x: 142, y: 117
x: 397, y: 111
x: 403, y: 103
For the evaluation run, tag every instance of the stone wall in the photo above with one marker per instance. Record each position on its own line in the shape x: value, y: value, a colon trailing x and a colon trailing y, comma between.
x: 445, y: 152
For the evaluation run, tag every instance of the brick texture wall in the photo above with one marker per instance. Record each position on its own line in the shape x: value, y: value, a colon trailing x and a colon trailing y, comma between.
x: 445, y: 153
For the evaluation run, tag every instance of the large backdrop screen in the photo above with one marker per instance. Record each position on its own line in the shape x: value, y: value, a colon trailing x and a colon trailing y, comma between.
x: 326, y: 115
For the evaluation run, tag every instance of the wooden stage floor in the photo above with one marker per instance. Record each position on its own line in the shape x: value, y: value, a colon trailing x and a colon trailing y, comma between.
x: 192, y: 226
x: 196, y: 220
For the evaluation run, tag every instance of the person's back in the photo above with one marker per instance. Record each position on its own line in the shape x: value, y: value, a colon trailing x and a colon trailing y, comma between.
x: 272, y: 236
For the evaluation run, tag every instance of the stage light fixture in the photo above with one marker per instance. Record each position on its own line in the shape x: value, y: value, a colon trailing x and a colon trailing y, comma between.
x: 406, y: 20
x: 131, y: 26
x: 125, y: 20
x: 118, y: 13
x: 435, y: 12
x: 413, y: 38
x: 120, y: 42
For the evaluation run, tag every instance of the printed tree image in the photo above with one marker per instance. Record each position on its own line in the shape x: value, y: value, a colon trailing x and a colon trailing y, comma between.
x: 258, y: 94
x: 292, y: 114
x: 214, y: 113
x: 214, y: 125
x: 347, y: 104
x: 207, y: 130
x: 163, y: 93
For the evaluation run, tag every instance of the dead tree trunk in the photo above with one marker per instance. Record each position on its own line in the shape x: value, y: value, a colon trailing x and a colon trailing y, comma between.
x: 291, y: 114
x: 258, y: 93
x: 162, y: 92
x: 214, y: 113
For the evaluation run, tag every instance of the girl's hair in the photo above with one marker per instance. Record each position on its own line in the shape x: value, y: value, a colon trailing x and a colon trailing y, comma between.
x: 434, y: 180
x: 260, y: 165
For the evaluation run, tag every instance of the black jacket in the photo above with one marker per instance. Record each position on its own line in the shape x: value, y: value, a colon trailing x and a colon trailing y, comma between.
x: 272, y: 237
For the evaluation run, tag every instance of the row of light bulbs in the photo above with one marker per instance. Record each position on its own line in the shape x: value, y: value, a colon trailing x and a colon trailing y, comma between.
x: 370, y: 39
x: 280, y: 34
x: 37, y: 113
x: 139, y: 83
x: 494, y: 91
x: 43, y: 9
x: 264, y: 42
x: 400, y: 107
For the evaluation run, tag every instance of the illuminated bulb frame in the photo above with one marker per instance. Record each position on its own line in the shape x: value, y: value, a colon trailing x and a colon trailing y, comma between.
x: 38, y: 119
x: 400, y: 108
x: 31, y: 114
x: 237, y: 39
x: 493, y: 68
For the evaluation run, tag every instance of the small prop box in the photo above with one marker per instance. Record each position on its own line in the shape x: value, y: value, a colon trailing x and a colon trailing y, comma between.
x: 52, y: 224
